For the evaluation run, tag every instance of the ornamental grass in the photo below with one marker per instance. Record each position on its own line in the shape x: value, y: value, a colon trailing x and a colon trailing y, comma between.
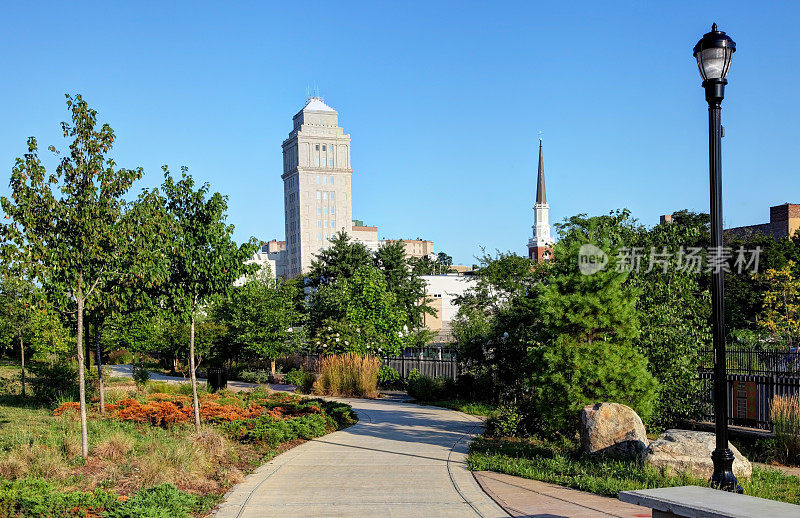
x: 785, y: 412
x: 348, y: 375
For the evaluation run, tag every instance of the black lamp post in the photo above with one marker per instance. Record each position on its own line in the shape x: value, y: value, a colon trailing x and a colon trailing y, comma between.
x: 714, y: 53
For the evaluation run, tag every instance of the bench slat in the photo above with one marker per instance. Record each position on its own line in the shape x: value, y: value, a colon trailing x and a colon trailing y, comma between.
x: 704, y: 502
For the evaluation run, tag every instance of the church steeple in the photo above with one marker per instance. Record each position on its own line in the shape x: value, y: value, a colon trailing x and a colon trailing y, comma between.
x: 539, y: 246
x: 541, y: 197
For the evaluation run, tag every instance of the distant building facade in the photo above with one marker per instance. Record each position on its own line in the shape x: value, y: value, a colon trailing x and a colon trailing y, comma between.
x: 272, y: 254
x: 540, y: 245
x: 317, y: 195
x: 784, y: 221
x: 418, y: 248
x: 441, y: 292
x: 316, y: 184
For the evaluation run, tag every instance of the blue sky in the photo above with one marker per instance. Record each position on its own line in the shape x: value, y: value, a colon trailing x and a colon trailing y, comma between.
x: 443, y: 101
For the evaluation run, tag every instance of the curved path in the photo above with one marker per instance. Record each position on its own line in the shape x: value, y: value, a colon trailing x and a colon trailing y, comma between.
x: 399, y: 460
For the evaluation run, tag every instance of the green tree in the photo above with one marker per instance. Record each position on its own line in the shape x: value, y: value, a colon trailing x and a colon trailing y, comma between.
x: 69, y: 227
x: 406, y: 285
x: 781, y: 315
x: 262, y: 318
x: 17, y: 313
x: 204, y: 259
x: 340, y: 260
x: 357, y: 314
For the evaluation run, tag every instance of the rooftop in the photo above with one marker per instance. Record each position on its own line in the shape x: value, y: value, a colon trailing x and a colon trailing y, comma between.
x: 316, y: 104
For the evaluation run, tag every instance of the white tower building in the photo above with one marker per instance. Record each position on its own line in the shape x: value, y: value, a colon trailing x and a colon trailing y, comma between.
x: 540, y: 245
x: 316, y: 184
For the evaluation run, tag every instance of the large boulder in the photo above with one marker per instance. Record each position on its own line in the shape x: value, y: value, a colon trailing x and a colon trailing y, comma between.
x: 612, y: 429
x: 690, y: 451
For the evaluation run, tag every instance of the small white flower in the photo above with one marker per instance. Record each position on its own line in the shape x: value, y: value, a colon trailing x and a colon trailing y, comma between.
x: 337, y: 339
x: 346, y: 342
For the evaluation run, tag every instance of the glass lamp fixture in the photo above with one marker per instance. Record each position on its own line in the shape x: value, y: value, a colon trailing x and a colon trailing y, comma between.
x: 714, y: 53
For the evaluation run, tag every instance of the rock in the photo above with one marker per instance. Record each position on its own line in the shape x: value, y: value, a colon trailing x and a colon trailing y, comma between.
x: 612, y: 429
x: 690, y: 451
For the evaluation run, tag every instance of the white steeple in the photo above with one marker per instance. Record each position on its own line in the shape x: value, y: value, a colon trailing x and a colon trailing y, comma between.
x: 542, y: 239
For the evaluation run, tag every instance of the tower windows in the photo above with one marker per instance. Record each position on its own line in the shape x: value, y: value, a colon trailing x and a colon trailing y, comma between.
x: 331, y: 176
x: 333, y: 209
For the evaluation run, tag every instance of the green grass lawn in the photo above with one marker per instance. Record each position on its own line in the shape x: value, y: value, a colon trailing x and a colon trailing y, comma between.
x: 561, y: 463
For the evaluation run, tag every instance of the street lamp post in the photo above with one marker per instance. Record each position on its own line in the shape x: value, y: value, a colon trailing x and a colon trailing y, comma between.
x: 714, y: 52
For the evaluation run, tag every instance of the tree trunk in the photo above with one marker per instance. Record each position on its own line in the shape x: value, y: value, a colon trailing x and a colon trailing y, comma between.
x: 22, y: 358
x: 272, y: 366
x: 99, y: 362
x: 195, y: 401
x: 82, y: 379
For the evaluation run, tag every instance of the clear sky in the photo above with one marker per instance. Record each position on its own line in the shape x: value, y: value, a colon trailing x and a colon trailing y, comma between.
x: 443, y: 101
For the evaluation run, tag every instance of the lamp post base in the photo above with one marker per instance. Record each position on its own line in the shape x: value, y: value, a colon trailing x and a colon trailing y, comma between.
x: 723, y: 477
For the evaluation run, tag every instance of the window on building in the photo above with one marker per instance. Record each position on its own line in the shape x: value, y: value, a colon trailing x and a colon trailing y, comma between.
x: 331, y: 178
x: 326, y: 223
x: 333, y: 209
x: 317, y: 161
x: 333, y: 223
x: 331, y: 196
x: 325, y: 180
x: 319, y: 210
x: 325, y: 195
x: 323, y: 147
x: 330, y: 161
x: 325, y: 211
x: 317, y: 179
x: 319, y: 237
x: 319, y: 223
x: 319, y: 195
x: 316, y: 147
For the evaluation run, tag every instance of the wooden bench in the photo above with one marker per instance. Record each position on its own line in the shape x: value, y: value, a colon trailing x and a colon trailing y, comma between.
x: 704, y: 502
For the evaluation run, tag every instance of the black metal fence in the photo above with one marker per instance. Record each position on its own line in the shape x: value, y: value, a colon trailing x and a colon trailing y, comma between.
x: 427, y: 366
x: 438, y: 362
x: 755, y: 377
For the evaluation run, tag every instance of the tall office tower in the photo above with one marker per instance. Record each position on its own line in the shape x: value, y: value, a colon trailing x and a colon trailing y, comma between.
x: 316, y: 184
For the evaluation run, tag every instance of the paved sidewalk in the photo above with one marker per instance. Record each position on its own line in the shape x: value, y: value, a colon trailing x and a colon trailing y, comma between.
x: 531, y: 498
x: 399, y: 460
x: 126, y: 371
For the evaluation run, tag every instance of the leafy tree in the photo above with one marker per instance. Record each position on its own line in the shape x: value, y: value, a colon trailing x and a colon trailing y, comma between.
x: 407, y: 286
x: 362, y: 311
x: 574, y: 374
x: 444, y: 259
x: 17, y: 312
x: 69, y: 227
x: 340, y: 260
x: 781, y: 316
x: 600, y: 306
x: 204, y: 259
x: 674, y: 310
x: 262, y: 318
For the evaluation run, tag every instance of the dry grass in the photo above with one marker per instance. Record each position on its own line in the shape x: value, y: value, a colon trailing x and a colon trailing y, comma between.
x: 785, y: 412
x: 348, y: 375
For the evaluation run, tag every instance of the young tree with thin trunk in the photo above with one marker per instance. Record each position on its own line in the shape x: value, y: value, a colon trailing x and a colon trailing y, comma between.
x: 204, y: 259
x: 70, y: 227
x: 16, y: 314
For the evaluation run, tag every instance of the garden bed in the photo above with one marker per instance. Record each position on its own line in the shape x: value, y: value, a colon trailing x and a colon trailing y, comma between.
x: 145, y: 456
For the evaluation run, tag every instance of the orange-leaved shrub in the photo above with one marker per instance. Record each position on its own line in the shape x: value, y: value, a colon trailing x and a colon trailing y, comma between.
x: 348, y: 375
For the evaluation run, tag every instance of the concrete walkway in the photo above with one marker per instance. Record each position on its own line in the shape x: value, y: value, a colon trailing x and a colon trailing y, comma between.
x: 399, y: 460
x: 522, y: 497
x: 126, y: 371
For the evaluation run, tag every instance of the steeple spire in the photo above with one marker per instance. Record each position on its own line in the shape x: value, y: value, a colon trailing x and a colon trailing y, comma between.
x: 541, y: 197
